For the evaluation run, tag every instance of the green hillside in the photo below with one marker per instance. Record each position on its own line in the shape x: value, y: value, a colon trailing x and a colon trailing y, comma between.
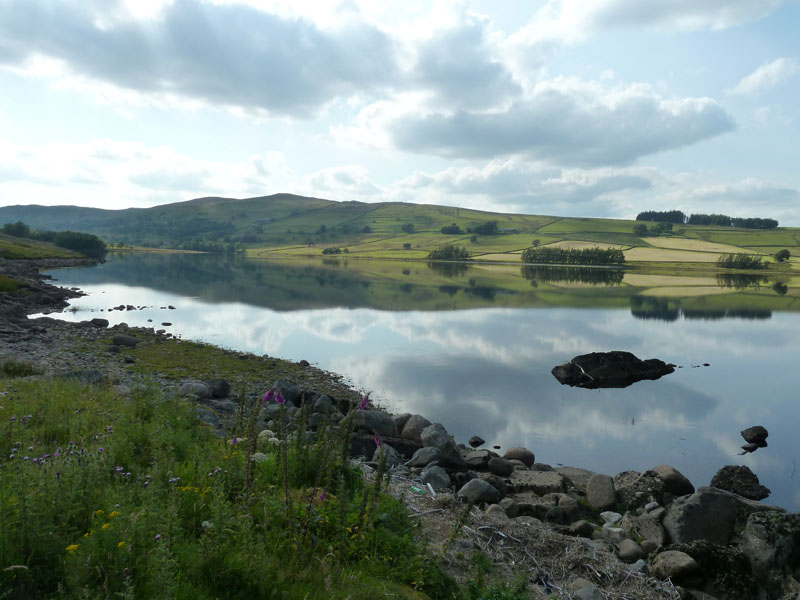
x: 14, y: 247
x: 289, y: 225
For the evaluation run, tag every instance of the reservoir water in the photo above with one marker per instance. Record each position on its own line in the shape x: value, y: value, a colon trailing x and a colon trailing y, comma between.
x: 473, y: 349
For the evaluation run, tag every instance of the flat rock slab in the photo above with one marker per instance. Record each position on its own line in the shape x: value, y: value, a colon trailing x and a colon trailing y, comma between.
x: 538, y: 482
x: 615, y: 369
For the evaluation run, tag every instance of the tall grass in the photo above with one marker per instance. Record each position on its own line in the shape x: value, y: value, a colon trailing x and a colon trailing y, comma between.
x: 103, y: 496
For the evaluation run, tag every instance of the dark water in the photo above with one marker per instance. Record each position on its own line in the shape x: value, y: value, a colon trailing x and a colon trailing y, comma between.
x: 473, y: 348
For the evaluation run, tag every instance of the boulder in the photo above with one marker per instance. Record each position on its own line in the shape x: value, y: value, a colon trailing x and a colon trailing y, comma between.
x: 323, y: 404
x: 478, y: 490
x: 754, y: 435
x: 400, y: 420
x: 635, y: 490
x: 199, y: 389
x: 289, y: 390
x: 477, y: 459
x: 436, y: 436
x: 615, y: 369
x: 709, y: 514
x: 675, y: 482
x: 629, y: 551
x: 740, y: 480
x: 538, y: 482
x: 423, y: 457
x: 97, y: 322
x: 413, y: 427
x: 724, y: 572
x: 375, y: 421
x: 522, y: 454
x: 122, y: 339
x: 500, y: 466
x: 581, y: 529
x: 674, y: 564
x: 566, y: 503
x: 391, y: 455
x: 645, y: 527
x: 219, y: 388
x: 578, y: 477
x: 437, y: 477
x: 476, y: 441
x: 600, y: 491
x: 771, y: 543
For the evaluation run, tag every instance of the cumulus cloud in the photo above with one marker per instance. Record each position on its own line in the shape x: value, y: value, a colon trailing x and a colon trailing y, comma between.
x: 570, y: 122
x: 349, y: 182
x: 230, y: 55
x: 767, y: 75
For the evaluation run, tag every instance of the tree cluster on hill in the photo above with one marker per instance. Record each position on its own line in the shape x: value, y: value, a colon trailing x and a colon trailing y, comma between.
x: 741, y: 261
x: 487, y: 228
x: 452, y: 229
x: 449, y: 252
x: 666, y: 216
x: 544, y: 274
x: 641, y: 229
x: 726, y: 221
x: 567, y: 256
x: 85, y: 243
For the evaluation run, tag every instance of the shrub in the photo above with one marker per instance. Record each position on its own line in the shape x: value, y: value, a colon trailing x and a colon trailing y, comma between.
x: 565, y: 256
x: 407, y: 227
x: 741, y: 261
x: 452, y: 229
x: 782, y: 255
x: 331, y: 250
x: 449, y: 252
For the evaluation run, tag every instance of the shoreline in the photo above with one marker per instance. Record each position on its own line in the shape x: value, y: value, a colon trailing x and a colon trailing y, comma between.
x: 555, y: 506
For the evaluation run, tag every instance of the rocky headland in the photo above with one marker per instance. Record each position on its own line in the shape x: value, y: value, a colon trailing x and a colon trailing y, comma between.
x: 571, y: 532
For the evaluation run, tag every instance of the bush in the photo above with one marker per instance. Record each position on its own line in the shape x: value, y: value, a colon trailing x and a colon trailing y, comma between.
x: 565, y: 256
x: 782, y: 255
x: 452, y: 229
x: 741, y: 261
x: 332, y: 251
x: 407, y: 227
x: 449, y: 252
x: 488, y: 228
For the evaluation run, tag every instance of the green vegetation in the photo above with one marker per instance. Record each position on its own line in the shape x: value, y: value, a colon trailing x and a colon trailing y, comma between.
x: 20, y: 248
x: 103, y: 496
x: 449, y: 252
x: 566, y: 256
x: 677, y: 216
x: 85, y: 243
x: 487, y: 228
x: 452, y: 229
x: 334, y: 250
x: 666, y: 216
x: 741, y: 261
x: 782, y: 255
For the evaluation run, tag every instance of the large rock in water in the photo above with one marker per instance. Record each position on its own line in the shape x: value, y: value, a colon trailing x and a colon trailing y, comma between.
x: 739, y: 479
x: 615, y: 369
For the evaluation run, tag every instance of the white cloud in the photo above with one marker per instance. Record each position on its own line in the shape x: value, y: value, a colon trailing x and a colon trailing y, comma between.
x: 767, y: 75
x: 349, y: 182
x: 566, y: 121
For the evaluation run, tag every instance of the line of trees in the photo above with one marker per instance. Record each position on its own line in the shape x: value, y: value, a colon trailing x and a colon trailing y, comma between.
x: 545, y: 274
x: 677, y: 216
x: 85, y: 243
x: 566, y: 256
x: 449, y: 252
x: 741, y: 261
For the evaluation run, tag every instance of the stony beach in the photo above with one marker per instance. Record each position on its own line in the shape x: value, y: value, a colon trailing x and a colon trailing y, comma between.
x: 572, y: 532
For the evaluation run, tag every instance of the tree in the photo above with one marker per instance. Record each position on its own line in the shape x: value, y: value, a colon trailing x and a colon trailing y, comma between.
x: 18, y: 229
x: 452, y: 229
x: 782, y: 255
x: 536, y: 242
x: 407, y: 227
x: 640, y: 230
x: 487, y: 228
x: 449, y: 252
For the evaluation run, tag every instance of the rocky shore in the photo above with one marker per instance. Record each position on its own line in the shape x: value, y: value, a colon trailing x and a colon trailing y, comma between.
x: 570, y: 532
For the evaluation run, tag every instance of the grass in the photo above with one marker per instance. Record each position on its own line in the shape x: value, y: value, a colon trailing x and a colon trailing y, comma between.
x: 109, y: 496
x: 9, y: 284
x: 19, y: 248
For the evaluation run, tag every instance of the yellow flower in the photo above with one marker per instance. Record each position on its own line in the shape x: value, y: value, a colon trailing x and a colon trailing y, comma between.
x: 121, y: 545
x: 72, y: 547
x: 97, y: 512
x: 114, y: 513
x: 106, y: 525
x: 89, y: 533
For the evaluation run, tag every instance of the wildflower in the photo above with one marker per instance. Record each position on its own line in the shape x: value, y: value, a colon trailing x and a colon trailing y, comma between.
x: 364, y: 402
x: 121, y: 545
x: 98, y: 512
x: 58, y: 474
x: 324, y: 496
x: 119, y: 469
x: 72, y: 547
x: 377, y: 440
x: 30, y: 448
x: 279, y: 398
x: 100, y: 449
x: 113, y: 513
x: 158, y: 536
x: 235, y: 440
x: 27, y: 458
x: 268, y: 397
x: 106, y: 526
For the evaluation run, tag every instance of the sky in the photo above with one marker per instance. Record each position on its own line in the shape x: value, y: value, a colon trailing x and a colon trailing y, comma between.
x: 594, y: 108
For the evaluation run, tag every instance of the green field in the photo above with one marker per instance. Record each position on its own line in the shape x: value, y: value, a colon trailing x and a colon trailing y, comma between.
x: 16, y: 248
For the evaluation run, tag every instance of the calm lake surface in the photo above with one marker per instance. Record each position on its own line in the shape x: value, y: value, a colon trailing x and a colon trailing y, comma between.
x: 473, y: 349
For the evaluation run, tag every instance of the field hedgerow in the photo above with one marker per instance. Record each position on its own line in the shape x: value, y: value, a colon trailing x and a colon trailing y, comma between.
x: 132, y: 497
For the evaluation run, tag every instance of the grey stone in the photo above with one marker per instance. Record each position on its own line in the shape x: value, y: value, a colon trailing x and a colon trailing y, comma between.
x: 581, y: 529
x: 289, y: 390
x: 753, y: 435
x: 635, y: 490
x: 709, y: 514
x: 437, y: 477
x: 539, y: 482
x: 581, y: 589
x: 323, y: 405
x: 400, y: 420
x: 674, y: 564
x: 629, y: 551
x: 522, y: 454
x: 771, y: 543
x: 613, y: 534
x: 647, y: 526
x: 510, y: 507
x: 199, y: 389
x: 477, y: 459
x: 97, y: 322
x: 478, y: 490
x: 600, y: 491
x: 537, y: 466
x: 640, y: 566
x: 500, y: 466
x: 423, y: 457
x: 375, y: 421
x: 219, y: 388
x: 578, y: 477
x: 393, y: 458
x: 436, y: 436
x: 675, y: 482
x: 412, y: 430
x: 565, y: 502
x: 476, y: 441
x: 649, y: 546
x: 740, y: 480
x: 610, y: 517
x: 122, y: 339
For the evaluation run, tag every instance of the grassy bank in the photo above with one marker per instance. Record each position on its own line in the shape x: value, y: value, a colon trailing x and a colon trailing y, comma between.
x: 19, y: 248
x: 103, y: 495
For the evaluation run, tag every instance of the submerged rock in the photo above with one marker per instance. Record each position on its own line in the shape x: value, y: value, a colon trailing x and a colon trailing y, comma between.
x: 615, y: 369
